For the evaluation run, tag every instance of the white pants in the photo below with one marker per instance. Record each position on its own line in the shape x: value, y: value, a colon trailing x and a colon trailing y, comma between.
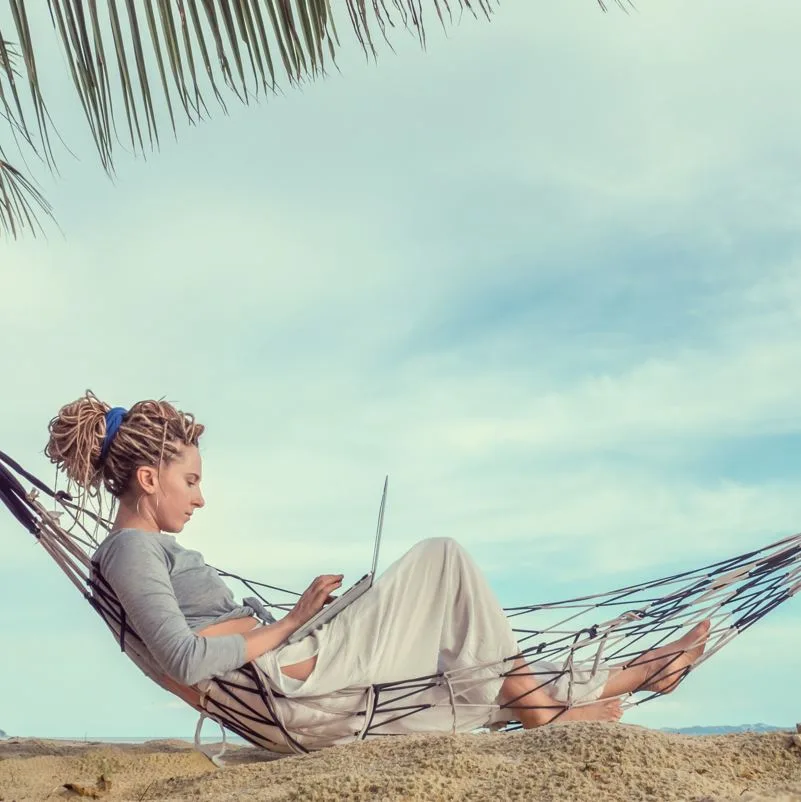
x: 431, y: 612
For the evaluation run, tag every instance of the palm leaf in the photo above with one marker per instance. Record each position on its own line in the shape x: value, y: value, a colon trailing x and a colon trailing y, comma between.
x: 10, y: 106
x: 20, y: 202
x: 167, y: 55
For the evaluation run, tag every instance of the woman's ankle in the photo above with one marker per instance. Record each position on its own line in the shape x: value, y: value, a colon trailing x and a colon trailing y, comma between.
x: 531, y: 717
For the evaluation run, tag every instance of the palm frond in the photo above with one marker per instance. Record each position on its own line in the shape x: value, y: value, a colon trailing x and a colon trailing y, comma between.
x: 20, y: 202
x: 625, y: 5
x: 10, y: 106
x: 158, y: 58
x: 160, y: 45
x: 7, y: 55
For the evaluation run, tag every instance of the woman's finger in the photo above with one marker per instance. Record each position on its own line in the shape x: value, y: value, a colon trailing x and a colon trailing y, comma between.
x: 323, y: 581
x: 328, y: 586
x: 329, y: 577
x: 324, y: 594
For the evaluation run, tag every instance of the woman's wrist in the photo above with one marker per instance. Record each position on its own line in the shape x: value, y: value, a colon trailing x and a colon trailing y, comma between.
x: 264, y: 639
x: 291, y: 622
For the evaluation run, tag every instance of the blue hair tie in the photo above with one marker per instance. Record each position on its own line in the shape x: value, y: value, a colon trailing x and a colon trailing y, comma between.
x: 113, y: 422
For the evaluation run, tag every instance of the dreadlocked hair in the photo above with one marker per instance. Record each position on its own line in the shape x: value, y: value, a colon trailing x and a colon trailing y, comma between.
x: 150, y: 434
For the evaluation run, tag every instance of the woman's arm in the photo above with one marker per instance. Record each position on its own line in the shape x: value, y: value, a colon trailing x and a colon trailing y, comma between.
x: 136, y: 568
x: 259, y: 638
x: 264, y: 639
x: 269, y: 637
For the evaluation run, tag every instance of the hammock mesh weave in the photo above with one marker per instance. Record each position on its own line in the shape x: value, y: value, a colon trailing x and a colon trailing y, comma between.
x: 618, y: 626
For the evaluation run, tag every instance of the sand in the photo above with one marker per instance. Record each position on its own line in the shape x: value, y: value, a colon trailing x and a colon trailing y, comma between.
x: 577, y: 761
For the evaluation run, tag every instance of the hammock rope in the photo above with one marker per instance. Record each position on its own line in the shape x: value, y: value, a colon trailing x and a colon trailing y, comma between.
x: 619, y: 626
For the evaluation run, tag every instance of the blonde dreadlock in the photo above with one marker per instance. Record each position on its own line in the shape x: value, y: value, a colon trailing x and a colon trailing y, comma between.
x: 149, y: 435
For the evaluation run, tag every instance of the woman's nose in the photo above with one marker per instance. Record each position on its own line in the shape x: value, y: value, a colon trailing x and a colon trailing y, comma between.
x: 200, y: 501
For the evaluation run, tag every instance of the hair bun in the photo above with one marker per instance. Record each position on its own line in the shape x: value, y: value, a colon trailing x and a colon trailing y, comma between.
x: 151, y: 434
x: 76, y: 438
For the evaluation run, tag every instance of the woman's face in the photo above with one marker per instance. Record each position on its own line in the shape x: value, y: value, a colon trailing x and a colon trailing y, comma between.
x: 178, y: 494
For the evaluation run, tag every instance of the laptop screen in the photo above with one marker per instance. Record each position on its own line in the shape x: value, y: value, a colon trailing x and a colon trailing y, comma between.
x: 380, y: 525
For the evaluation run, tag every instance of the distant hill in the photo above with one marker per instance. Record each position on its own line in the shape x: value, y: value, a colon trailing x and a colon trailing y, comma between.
x: 2, y: 734
x: 724, y: 730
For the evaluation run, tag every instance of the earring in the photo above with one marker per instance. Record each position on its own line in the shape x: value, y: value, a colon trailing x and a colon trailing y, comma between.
x: 138, y: 512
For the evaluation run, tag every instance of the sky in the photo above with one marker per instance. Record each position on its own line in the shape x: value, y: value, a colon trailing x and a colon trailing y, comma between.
x: 545, y: 274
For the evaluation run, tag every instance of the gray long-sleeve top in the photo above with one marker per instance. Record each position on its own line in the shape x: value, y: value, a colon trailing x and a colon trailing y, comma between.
x: 168, y: 592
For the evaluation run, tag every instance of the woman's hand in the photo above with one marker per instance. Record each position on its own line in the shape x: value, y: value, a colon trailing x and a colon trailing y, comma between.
x: 314, y: 598
x: 260, y: 640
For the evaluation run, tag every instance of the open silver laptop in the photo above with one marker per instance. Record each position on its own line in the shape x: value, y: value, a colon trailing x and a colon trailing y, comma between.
x: 352, y: 593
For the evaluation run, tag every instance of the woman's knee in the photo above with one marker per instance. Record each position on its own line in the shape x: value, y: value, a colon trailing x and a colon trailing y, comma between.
x: 440, y: 548
x: 442, y: 543
x: 434, y: 551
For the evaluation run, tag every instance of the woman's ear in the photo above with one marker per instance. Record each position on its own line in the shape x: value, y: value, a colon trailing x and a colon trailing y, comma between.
x: 147, y: 476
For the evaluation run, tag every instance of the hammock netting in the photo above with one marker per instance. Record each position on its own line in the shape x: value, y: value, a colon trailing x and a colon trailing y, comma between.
x: 618, y: 626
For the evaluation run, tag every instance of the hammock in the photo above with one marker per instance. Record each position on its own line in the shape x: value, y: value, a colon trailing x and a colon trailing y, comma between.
x: 619, y: 625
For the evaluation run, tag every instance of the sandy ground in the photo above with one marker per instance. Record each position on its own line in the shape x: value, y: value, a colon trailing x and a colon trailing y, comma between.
x: 579, y: 761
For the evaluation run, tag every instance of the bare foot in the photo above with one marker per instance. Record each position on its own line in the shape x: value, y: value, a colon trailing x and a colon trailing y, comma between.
x: 668, y: 664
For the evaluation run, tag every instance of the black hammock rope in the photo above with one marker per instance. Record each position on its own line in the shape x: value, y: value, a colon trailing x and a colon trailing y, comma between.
x: 618, y: 625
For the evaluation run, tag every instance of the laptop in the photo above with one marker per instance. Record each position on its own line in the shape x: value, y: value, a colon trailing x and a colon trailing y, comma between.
x: 352, y: 593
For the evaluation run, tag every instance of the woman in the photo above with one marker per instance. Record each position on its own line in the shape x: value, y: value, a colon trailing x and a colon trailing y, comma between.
x: 432, y: 611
